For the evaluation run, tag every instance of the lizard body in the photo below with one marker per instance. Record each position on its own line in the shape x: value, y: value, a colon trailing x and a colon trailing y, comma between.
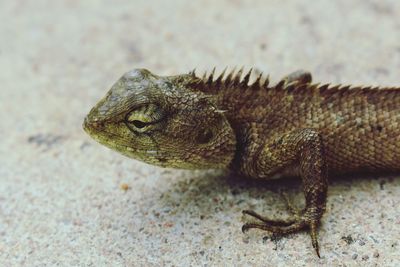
x: 255, y: 129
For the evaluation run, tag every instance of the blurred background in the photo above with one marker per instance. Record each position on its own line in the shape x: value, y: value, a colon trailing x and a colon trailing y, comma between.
x: 65, y: 200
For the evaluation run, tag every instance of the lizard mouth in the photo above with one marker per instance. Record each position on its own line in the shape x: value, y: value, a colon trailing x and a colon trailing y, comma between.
x: 99, y: 132
x: 85, y: 125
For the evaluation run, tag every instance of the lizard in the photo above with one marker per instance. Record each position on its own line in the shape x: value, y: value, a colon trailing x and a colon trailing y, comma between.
x: 255, y: 129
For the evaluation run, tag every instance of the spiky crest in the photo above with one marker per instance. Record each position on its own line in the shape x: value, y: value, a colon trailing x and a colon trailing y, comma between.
x: 208, y: 83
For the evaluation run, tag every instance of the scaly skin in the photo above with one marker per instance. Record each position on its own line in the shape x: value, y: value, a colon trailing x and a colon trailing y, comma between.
x: 257, y: 130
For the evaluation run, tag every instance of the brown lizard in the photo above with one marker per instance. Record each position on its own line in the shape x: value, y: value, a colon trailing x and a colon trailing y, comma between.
x: 255, y: 129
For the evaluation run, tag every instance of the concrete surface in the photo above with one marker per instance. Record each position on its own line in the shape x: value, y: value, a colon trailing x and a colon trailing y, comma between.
x: 61, y: 201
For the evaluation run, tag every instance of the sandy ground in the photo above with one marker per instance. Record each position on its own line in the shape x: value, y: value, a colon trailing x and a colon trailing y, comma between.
x: 61, y: 201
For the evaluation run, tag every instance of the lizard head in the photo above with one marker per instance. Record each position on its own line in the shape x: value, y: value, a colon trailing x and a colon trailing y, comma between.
x: 161, y: 121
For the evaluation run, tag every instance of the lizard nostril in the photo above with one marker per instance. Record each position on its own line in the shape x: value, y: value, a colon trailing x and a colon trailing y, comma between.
x: 97, y: 124
x: 94, y: 124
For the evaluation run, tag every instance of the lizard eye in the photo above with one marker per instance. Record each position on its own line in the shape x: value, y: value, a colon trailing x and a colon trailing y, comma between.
x: 143, y: 118
x: 139, y: 124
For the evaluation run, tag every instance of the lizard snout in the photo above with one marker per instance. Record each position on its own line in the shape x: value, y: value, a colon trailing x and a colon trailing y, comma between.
x: 95, y: 124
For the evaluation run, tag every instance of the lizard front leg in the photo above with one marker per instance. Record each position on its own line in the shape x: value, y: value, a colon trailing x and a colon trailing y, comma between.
x: 305, y: 148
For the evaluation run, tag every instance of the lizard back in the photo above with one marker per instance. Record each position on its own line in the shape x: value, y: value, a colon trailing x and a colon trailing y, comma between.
x: 360, y: 126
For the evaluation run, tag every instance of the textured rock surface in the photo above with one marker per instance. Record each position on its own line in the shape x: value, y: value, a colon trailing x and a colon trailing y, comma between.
x: 62, y: 197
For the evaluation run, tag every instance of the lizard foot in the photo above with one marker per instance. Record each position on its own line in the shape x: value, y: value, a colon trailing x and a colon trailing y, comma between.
x: 299, y: 221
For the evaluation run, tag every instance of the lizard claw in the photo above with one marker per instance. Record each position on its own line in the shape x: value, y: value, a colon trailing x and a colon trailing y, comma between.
x: 314, y: 237
x: 284, y: 227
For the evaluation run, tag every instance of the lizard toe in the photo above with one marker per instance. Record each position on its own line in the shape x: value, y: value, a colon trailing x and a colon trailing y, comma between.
x: 294, y: 224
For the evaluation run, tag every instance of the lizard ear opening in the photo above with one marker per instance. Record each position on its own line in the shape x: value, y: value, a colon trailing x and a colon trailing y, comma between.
x: 204, y: 136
